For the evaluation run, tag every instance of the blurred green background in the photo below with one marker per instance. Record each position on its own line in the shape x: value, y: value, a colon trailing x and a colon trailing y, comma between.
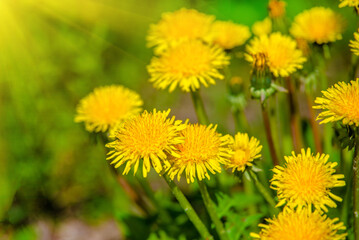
x: 52, y: 54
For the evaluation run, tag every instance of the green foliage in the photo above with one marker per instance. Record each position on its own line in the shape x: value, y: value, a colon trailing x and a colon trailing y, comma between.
x: 234, y: 209
x: 26, y: 233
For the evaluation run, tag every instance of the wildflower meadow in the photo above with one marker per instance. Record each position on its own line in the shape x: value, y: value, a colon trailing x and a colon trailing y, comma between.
x: 190, y: 119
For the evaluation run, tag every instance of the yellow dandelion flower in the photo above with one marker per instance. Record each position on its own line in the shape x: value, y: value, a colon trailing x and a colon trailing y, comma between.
x: 319, y: 25
x: 281, y: 51
x: 245, y: 151
x: 203, y: 150
x: 349, y: 3
x: 306, y: 180
x: 106, y: 106
x: 188, y: 65
x: 263, y: 27
x: 150, y: 137
x: 276, y: 8
x: 301, y: 224
x: 354, y: 44
x: 228, y: 34
x: 178, y: 26
x: 340, y: 103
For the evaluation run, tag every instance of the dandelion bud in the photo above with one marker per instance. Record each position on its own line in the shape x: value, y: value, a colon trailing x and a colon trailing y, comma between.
x: 276, y: 9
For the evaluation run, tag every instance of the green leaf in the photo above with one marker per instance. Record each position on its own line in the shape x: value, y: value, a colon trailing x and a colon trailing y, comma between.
x: 238, y: 200
x: 237, y: 224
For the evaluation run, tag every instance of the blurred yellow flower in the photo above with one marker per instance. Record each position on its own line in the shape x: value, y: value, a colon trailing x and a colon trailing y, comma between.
x: 263, y: 27
x: 340, y: 103
x: 149, y: 137
x: 107, y: 106
x: 283, y: 57
x: 245, y: 151
x: 354, y: 44
x: 349, y: 3
x: 178, y: 26
x: 203, y: 150
x: 188, y: 65
x: 228, y: 34
x: 276, y: 8
x: 306, y: 180
x: 301, y: 224
x: 319, y: 25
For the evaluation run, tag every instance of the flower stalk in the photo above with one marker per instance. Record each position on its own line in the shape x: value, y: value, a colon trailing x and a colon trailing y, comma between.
x: 199, y: 108
x: 294, y: 117
x: 314, y: 125
x: 249, y: 190
x: 263, y: 190
x: 211, y: 209
x: 269, y: 134
x: 187, y: 207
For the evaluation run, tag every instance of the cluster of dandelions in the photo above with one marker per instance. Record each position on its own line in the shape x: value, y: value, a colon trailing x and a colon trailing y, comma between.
x: 169, y: 145
x: 192, y: 49
x: 304, y: 186
x: 159, y: 142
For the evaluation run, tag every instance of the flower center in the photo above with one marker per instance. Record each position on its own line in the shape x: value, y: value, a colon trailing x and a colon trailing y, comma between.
x: 347, y: 105
x: 189, y: 59
x: 307, y: 180
x: 147, y: 136
x: 200, y: 145
x: 240, y: 157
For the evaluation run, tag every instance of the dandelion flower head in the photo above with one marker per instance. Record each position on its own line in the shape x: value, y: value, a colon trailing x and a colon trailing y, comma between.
x: 175, y: 27
x: 263, y: 27
x: 282, y: 54
x: 340, y: 103
x: 106, y: 106
x: 228, y: 34
x: 187, y: 65
x: 203, y: 150
x: 349, y: 3
x: 245, y: 151
x: 301, y: 224
x: 149, y: 137
x: 319, y: 25
x: 354, y: 44
x: 306, y: 180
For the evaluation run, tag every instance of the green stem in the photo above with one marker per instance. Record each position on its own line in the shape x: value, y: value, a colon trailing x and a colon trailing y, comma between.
x: 295, y: 126
x: 211, y: 209
x: 327, y: 128
x: 249, y: 191
x: 314, y: 125
x: 269, y: 134
x: 281, y: 123
x: 328, y: 133
x: 348, y: 173
x: 199, y: 108
x: 356, y: 189
x: 187, y: 207
x: 240, y: 122
x: 263, y: 190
